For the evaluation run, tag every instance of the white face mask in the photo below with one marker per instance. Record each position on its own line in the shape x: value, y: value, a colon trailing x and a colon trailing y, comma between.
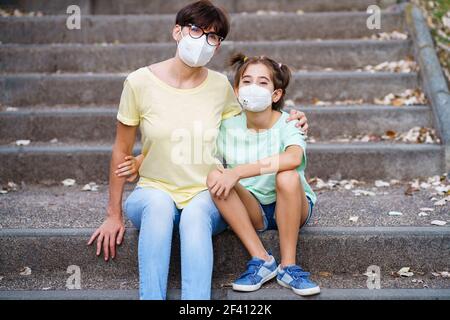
x: 255, y: 98
x: 195, y: 52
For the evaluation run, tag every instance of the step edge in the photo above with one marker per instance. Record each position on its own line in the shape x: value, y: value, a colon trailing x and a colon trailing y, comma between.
x: 290, y: 43
x: 400, y: 232
x: 159, y: 17
x: 296, y: 74
x: 279, y: 294
x: 101, y: 110
x: 316, y: 147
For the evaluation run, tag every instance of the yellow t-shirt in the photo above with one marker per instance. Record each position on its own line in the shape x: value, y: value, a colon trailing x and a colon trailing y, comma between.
x: 179, y: 128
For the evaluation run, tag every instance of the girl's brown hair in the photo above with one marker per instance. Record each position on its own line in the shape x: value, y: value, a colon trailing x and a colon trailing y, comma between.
x: 281, y: 75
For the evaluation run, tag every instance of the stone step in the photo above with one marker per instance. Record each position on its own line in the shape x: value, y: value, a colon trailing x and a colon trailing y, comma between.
x: 172, y: 6
x: 129, y: 29
x: 336, y: 54
x: 52, y: 284
x: 98, y: 124
x: 90, y: 162
x: 46, y: 229
x: 320, y: 249
x: 102, y: 89
x: 56, y: 207
x: 224, y: 294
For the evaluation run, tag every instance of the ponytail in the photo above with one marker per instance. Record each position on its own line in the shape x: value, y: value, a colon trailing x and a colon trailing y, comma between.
x: 238, y: 60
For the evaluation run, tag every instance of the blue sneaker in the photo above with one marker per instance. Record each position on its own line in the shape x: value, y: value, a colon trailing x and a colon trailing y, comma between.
x: 258, y: 272
x: 295, y: 278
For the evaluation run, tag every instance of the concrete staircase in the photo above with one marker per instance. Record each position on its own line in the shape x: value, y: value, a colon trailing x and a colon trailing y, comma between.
x: 65, y: 84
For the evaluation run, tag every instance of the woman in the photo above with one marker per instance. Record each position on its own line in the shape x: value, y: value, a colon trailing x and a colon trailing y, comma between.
x: 179, y: 105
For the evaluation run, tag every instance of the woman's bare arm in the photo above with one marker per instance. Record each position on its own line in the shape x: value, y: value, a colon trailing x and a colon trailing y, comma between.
x: 111, y: 232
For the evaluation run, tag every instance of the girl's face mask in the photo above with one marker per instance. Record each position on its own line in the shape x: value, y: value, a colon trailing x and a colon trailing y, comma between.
x: 255, y: 98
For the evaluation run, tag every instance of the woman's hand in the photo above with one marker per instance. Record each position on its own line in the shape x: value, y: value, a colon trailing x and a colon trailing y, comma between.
x: 108, y: 235
x: 224, y: 182
x: 302, y: 120
x: 129, y: 168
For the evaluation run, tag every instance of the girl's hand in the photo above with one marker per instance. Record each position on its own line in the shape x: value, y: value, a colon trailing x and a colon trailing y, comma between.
x: 224, y: 183
x: 129, y: 168
x: 302, y: 120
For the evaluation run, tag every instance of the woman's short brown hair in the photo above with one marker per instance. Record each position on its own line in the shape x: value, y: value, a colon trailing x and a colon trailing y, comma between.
x: 205, y: 15
x: 281, y: 75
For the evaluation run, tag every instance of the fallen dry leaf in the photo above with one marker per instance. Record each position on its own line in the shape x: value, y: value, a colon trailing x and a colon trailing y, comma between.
x: 442, y: 189
x: 442, y: 202
x: 23, y: 142
x: 414, y: 135
x: 404, y: 66
x: 405, y: 272
x: 438, y: 223
x: 265, y: 12
x: 363, y: 192
x: 91, y: 186
x: 325, y: 274
x: 413, y: 187
x: 18, y: 13
x: 68, y: 182
x: 394, y: 35
x: 381, y: 183
x: 420, y: 135
x: 26, y: 271
x: 425, y: 185
x: 318, y: 102
x: 406, y: 98
x: 443, y: 274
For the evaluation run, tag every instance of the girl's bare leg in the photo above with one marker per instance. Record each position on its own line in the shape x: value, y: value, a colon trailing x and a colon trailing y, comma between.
x: 236, y: 214
x: 291, y: 212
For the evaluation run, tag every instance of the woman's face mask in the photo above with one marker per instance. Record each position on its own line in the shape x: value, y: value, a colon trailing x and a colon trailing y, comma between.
x: 195, y: 52
x: 255, y: 98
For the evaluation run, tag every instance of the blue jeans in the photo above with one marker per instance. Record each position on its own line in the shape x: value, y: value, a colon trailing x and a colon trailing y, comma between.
x: 155, y: 214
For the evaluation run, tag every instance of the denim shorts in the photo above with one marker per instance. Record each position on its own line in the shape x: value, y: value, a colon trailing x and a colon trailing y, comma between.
x: 268, y: 213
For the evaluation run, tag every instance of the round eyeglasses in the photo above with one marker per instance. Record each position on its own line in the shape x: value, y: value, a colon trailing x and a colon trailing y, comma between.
x: 212, y: 38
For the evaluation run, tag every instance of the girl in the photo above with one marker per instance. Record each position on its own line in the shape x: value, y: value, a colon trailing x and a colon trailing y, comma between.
x: 264, y: 185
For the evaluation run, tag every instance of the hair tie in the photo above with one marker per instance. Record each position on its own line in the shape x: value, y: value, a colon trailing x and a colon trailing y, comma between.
x: 245, y: 58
